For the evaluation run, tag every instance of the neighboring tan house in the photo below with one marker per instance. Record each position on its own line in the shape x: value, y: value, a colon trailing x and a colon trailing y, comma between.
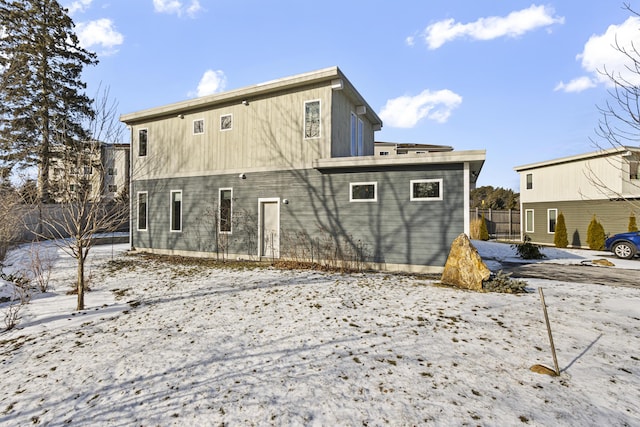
x: 286, y: 169
x: 392, y: 148
x: 603, y: 183
x: 102, y: 168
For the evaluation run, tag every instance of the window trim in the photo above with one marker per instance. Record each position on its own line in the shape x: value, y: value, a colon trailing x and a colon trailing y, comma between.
x: 230, y: 115
x: 171, y: 211
x: 375, y: 192
x: 304, y: 124
x: 220, y: 231
x: 555, y: 224
x: 426, y: 199
x: 529, y: 228
x: 146, y: 142
x: 146, y: 211
x: 193, y: 128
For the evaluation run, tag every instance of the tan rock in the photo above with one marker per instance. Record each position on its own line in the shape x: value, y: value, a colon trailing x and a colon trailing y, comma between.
x: 464, y: 267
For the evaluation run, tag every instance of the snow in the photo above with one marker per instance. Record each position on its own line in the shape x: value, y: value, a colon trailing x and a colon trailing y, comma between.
x: 186, y: 344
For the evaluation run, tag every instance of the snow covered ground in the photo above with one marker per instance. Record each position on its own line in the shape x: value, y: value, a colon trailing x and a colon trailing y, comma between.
x: 168, y: 344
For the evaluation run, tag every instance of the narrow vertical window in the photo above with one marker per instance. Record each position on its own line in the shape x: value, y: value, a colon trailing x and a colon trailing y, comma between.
x: 312, y: 119
x: 142, y: 211
x: 552, y: 217
x: 225, y: 210
x: 198, y: 127
x: 142, y: 142
x: 360, y: 138
x: 354, y: 135
x: 176, y: 210
x: 528, y: 221
x: 529, y: 181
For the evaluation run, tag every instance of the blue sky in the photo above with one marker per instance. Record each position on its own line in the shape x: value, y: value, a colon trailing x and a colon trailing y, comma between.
x: 517, y: 78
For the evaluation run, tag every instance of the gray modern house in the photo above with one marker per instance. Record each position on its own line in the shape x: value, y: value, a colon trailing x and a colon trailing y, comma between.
x: 287, y: 169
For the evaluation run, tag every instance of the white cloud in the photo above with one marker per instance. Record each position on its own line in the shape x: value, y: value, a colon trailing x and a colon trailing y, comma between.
x: 177, y: 7
x: 576, y: 85
x: 101, y: 33
x: 210, y: 83
x: 513, y: 25
x: 78, y: 6
x: 600, y: 54
x: 407, y: 111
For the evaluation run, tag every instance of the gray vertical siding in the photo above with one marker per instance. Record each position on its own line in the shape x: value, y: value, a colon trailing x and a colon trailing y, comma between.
x: 393, y: 230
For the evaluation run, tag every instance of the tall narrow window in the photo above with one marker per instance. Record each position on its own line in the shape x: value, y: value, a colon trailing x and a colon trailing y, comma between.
x: 176, y: 210
x: 312, y: 119
x: 354, y: 134
x: 142, y: 211
x: 528, y: 221
x: 529, y: 181
x: 360, y: 137
x: 198, y: 127
x: 552, y: 217
x: 142, y: 142
x: 225, y: 210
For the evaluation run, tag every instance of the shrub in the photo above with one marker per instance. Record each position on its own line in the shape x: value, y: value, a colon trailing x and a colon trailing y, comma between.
x: 560, y: 238
x: 632, y: 223
x: 483, y: 233
x: 502, y: 282
x: 595, y: 235
x: 528, y: 250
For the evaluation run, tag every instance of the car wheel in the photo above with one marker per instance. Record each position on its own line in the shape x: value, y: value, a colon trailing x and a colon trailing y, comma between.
x: 624, y: 250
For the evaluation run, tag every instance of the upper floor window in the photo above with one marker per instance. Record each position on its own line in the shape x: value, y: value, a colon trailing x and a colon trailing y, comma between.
x: 142, y: 142
x: 426, y: 189
x: 384, y: 153
x: 363, y: 192
x: 529, y: 181
x: 633, y: 169
x: 112, y: 188
x: 198, y: 127
x: 226, y: 122
x: 112, y: 171
x: 357, y: 136
x: 312, y: 119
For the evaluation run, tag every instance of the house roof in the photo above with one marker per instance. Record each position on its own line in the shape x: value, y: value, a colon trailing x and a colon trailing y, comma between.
x: 331, y: 75
x: 580, y: 157
x: 426, y: 147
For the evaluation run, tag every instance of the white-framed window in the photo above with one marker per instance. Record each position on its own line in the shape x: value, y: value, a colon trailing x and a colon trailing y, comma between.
x: 225, y: 206
x: 176, y: 210
x: 143, y: 135
x: 363, y: 192
x: 426, y: 189
x: 198, y: 127
x: 312, y: 119
x: 528, y: 221
x: 384, y: 153
x: 112, y: 188
x: 529, y: 181
x: 143, y: 210
x: 226, y: 122
x: 552, y: 218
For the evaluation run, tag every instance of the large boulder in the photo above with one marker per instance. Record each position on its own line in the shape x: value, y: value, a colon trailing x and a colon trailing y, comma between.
x: 464, y: 267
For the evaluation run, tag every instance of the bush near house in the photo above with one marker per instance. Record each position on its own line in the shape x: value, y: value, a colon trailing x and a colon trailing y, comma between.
x: 595, y: 235
x: 560, y: 238
x: 632, y: 223
x: 528, y: 250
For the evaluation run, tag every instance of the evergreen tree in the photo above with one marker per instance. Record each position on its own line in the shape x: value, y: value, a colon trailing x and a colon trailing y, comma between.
x: 42, y: 100
x: 595, y: 235
x: 632, y: 223
x: 560, y: 238
x: 483, y: 232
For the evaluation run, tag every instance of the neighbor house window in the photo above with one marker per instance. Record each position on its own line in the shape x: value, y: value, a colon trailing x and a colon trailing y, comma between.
x: 426, y: 189
x: 112, y: 171
x: 357, y: 136
x: 142, y: 142
x: 384, y: 153
x: 113, y: 188
x: 176, y: 210
x: 633, y: 169
x: 225, y: 210
x: 529, y: 181
x: 312, y: 119
x: 528, y: 221
x: 226, y: 122
x: 552, y: 217
x: 363, y: 191
x: 142, y: 210
x: 198, y: 127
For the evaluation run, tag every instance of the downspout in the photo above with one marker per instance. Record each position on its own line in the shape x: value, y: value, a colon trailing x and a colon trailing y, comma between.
x: 467, y: 199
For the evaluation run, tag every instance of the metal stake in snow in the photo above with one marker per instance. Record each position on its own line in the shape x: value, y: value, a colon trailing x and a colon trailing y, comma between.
x: 546, y: 318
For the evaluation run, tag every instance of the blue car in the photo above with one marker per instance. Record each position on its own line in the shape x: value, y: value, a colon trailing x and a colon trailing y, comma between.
x: 624, y: 245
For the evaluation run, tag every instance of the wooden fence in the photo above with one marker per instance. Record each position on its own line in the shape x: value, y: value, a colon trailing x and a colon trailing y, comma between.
x: 501, y: 224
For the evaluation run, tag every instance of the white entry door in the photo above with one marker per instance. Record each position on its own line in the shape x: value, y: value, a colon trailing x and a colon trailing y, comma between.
x: 269, y: 227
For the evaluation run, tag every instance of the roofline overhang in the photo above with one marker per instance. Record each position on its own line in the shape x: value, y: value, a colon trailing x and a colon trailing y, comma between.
x: 570, y: 159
